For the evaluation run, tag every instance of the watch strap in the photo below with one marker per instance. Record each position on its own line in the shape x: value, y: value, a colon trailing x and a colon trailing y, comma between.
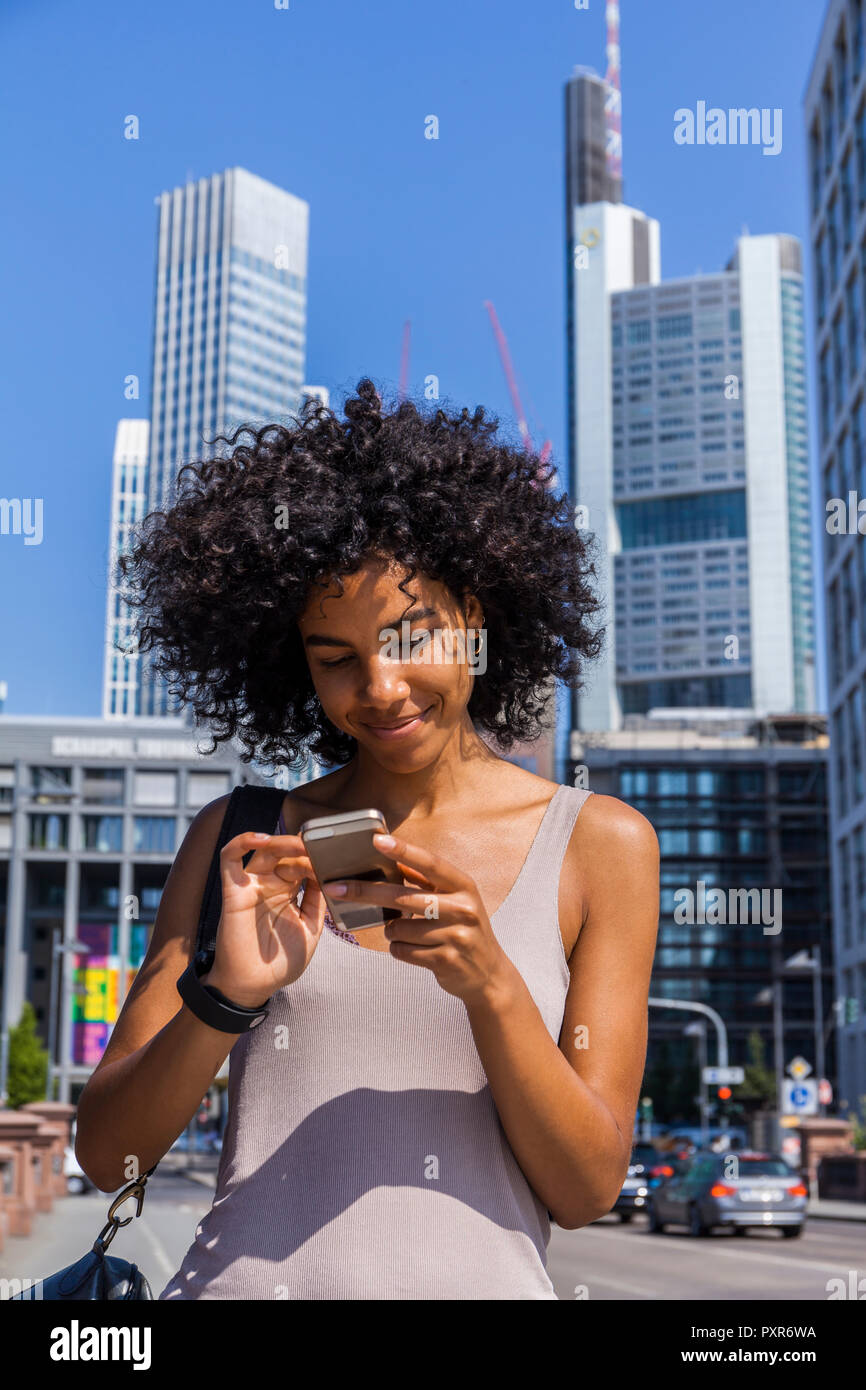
x: 210, y: 1005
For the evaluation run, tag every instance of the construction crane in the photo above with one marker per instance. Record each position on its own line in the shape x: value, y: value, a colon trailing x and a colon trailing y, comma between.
x: 510, y: 377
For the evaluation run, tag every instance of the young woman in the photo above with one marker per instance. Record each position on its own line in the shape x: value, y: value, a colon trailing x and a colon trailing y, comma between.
x: 425, y: 1095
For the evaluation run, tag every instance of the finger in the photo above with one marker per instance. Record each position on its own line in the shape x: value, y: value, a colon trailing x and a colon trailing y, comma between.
x: 408, y: 899
x: 233, y: 852
x: 312, y: 908
x: 443, y: 876
x: 412, y: 932
x: 414, y: 876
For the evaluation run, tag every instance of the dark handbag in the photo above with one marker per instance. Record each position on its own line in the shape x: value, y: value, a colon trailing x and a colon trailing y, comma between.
x: 101, y: 1276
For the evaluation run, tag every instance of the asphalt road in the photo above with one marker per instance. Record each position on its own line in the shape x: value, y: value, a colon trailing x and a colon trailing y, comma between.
x: 605, y: 1261
x: 609, y: 1260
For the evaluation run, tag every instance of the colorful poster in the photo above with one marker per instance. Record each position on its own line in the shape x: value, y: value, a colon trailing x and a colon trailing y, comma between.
x: 94, y: 1000
x: 97, y: 975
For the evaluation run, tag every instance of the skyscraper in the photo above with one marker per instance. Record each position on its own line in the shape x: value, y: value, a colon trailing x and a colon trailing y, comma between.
x: 128, y: 506
x: 688, y: 462
x: 835, y: 115
x: 229, y: 348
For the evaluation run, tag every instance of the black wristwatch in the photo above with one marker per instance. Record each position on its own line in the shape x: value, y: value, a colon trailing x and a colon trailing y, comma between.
x: 212, y: 1007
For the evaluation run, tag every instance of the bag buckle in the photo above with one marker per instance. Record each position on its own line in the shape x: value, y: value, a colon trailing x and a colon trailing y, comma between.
x: 113, y: 1224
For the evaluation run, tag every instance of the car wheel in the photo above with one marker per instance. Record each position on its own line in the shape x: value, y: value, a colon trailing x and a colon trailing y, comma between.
x: 656, y: 1227
x: 696, y: 1225
x: 739, y: 1230
x: 790, y: 1231
x: 625, y: 1216
x: 74, y: 1185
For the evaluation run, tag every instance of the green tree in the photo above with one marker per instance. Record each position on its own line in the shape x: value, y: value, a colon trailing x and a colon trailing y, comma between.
x: 28, y: 1062
x: 758, y: 1089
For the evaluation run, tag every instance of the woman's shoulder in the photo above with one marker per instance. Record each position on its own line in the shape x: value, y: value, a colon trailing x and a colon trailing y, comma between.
x: 612, y: 815
x: 316, y: 798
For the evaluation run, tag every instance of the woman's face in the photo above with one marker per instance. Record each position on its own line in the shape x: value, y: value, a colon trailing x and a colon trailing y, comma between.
x: 359, y: 645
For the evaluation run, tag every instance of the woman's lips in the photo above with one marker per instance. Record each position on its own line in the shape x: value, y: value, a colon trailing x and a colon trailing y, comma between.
x: 396, y: 731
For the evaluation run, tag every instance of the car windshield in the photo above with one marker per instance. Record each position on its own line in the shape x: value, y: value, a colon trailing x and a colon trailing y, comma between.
x: 763, y: 1167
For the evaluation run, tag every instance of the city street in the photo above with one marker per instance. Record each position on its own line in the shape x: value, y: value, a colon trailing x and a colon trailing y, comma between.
x: 615, y: 1261
x: 612, y: 1261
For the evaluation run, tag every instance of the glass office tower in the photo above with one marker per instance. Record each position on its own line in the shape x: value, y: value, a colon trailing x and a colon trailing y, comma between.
x: 835, y: 116
x: 691, y: 468
x: 229, y: 348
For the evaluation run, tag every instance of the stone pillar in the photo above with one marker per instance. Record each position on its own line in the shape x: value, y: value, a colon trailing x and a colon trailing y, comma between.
x: 60, y: 1118
x: 21, y: 1131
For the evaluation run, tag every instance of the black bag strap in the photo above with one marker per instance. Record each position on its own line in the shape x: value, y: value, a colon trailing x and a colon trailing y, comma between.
x: 249, y: 808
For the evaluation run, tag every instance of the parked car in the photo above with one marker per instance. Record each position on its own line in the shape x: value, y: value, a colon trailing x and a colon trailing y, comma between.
x: 766, y: 1191
x: 77, y: 1180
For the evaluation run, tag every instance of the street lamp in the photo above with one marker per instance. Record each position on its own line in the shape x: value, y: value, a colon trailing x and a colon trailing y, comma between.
x: 699, y: 1030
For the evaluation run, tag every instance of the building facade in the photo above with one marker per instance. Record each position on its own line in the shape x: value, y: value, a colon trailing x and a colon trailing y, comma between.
x: 738, y: 805
x: 691, y: 471
x: 92, y: 813
x: 835, y: 118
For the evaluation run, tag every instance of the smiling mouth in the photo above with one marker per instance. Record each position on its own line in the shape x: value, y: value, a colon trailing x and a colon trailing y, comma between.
x: 403, y: 723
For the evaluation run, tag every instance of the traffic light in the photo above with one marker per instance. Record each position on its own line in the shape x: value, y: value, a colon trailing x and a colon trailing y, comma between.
x: 852, y: 1009
x: 724, y: 1093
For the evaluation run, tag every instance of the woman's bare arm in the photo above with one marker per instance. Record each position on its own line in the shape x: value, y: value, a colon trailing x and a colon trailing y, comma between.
x: 160, y: 1059
x: 568, y: 1111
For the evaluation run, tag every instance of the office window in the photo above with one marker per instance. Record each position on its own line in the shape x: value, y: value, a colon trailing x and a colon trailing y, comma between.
x: 102, y: 784
x: 838, y: 361
x: 847, y: 202
x: 833, y: 240
x: 860, y: 148
x: 48, y: 831
x: 202, y: 787
x: 51, y: 783
x: 102, y: 833
x: 155, y: 789
x: 815, y: 167
x: 673, y: 841
x: 824, y: 393
x: 852, y: 308
x: 153, y: 834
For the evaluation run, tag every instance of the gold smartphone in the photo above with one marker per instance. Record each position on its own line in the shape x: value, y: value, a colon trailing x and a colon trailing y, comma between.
x: 341, y: 846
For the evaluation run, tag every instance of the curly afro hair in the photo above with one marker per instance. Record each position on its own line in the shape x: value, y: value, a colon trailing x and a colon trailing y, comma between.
x: 221, y: 583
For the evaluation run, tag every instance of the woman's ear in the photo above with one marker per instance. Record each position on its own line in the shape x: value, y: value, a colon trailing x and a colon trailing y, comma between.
x: 473, y: 612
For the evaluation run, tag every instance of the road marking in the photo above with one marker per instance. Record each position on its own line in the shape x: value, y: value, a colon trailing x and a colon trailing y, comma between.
x: 617, y: 1284
x: 691, y: 1246
x: 159, y: 1250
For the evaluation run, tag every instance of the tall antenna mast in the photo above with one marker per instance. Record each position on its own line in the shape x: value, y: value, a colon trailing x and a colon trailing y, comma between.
x: 613, y: 100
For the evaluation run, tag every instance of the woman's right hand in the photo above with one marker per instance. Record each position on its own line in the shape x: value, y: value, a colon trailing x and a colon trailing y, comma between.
x: 264, y: 940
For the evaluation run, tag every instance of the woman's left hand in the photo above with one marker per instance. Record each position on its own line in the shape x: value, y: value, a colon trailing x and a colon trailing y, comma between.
x: 450, y: 932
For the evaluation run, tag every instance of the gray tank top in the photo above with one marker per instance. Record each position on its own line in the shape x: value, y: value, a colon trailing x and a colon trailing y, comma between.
x: 363, y: 1156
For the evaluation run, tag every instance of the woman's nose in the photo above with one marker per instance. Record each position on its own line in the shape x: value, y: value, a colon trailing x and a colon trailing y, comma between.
x: 386, y: 680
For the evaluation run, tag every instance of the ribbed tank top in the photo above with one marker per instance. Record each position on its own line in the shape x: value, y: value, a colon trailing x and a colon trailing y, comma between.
x: 363, y: 1156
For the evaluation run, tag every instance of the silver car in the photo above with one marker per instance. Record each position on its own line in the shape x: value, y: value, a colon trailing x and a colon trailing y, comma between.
x: 739, y: 1190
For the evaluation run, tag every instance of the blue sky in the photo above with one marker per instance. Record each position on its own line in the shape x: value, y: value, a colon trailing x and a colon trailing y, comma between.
x: 328, y: 99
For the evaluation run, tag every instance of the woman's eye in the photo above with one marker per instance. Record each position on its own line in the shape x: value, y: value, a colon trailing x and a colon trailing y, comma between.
x: 341, y: 662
